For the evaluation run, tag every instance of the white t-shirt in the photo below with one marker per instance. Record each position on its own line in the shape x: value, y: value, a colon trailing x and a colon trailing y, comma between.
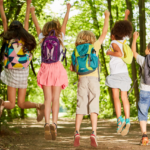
x: 41, y: 36
x: 141, y: 61
x: 116, y: 64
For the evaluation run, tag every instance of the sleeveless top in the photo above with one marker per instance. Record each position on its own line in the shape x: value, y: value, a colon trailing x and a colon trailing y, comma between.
x: 14, y: 57
x: 116, y: 64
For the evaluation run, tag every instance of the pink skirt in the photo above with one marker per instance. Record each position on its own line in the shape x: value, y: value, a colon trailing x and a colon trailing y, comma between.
x: 53, y: 74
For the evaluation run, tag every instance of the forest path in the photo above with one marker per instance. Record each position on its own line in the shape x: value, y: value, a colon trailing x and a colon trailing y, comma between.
x: 27, y: 134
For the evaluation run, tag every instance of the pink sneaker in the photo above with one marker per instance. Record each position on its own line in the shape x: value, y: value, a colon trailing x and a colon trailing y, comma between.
x: 76, y: 139
x: 93, y: 140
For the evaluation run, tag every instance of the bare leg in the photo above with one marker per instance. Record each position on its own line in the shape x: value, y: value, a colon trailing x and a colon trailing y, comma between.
x: 94, y: 122
x: 143, y: 125
x: 126, y: 105
x: 117, y: 102
x: 21, y: 100
x: 48, y: 98
x: 56, y: 90
x: 79, y: 118
x: 10, y: 104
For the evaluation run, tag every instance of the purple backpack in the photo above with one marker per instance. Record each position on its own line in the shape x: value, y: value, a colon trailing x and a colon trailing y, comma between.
x: 51, y: 49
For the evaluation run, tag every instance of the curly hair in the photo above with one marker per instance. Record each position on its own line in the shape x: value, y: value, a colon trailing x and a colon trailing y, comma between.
x: 53, y: 25
x: 85, y: 37
x: 16, y: 31
x: 121, y: 29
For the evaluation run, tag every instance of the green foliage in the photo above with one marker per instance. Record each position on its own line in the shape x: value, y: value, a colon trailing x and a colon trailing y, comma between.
x: 90, y: 16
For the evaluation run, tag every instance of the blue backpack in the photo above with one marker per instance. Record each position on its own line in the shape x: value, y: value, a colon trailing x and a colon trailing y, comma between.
x: 84, y: 59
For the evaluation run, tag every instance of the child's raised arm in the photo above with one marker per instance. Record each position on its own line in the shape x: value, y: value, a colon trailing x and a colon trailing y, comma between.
x: 63, y: 27
x: 105, y: 28
x: 127, y: 12
x: 35, y: 21
x: 4, y: 20
x: 135, y: 36
x: 26, y: 22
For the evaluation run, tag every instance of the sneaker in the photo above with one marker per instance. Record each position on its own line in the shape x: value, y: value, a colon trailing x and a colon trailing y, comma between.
x: 144, y: 140
x: 40, y: 112
x: 93, y: 140
x: 125, y: 131
x: 47, y: 133
x: 76, y: 139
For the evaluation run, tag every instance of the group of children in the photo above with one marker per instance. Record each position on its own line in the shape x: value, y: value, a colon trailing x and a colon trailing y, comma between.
x: 18, y: 47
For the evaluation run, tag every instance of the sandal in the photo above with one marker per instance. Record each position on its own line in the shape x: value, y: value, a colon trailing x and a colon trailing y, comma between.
x: 47, y: 133
x: 40, y: 112
x: 76, y: 139
x: 53, y: 130
x: 120, y: 126
x: 126, y: 129
x: 1, y: 107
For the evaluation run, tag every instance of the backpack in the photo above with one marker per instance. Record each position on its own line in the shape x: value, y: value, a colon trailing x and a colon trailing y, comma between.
x: 6, y: 55
x: 147, y: 70
x: 51, y: 49
x: 84, y: 59
x: 128, y: 54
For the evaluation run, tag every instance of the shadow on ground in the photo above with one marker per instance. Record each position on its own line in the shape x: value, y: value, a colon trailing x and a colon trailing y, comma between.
x: 29, y: 135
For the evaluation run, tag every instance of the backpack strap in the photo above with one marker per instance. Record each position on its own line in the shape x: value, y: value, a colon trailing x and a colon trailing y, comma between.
x: 51, y: 32
x: 32, y: 67
x: 122, y: 42
x: 2, y: 56
x: 99, y: 68
x: 64, y: 56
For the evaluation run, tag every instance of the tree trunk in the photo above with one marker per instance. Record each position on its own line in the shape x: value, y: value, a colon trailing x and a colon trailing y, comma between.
x: 142, y: 27
x: 134, y: 70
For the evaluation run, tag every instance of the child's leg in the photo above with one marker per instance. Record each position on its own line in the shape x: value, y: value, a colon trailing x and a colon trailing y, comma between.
x: 56, y: 90
x: 79, y: 118
x: 10, y: 104
x: 143, y: 126
x: 117, y: 103
x: 48, y: 98
x: 143, y: 106
x: 94, y: 122
x: 21, y: 100
x: 126, y: 105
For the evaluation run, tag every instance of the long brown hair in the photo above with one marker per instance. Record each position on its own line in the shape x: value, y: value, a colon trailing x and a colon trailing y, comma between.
x: 53, y: 25
x: 16, y: 31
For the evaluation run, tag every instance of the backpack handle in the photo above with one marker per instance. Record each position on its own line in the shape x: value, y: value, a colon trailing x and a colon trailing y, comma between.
x: 51, y: 32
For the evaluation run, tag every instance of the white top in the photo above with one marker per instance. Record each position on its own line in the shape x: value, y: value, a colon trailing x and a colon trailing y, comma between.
x: 141, y: 61
x: 41, y: 36
x: 116, y: 64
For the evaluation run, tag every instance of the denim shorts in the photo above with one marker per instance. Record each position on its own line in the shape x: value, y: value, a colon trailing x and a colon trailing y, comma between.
x: 143, y: 105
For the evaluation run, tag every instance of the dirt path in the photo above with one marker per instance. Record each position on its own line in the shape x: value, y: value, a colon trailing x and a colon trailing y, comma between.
x: 28, y: 135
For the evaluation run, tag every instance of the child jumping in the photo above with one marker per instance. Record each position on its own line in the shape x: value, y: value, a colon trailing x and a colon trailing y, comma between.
x: 119, y: 78
x: 52, y: 77
x: 144, y: 102
x: 88, y: 86
x: 17, y: 56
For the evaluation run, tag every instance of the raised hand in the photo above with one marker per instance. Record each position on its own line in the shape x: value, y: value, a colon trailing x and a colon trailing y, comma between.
x: 1, y: 2
x: 135, y: 35
x: 32, y: 9
x: 29, y: 2
x: 68, y: 6
x: 107, y: 13
x: 127, y: 12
